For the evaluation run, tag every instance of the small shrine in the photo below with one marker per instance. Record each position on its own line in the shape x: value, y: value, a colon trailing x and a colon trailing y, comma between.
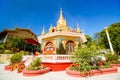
x: 61, y: 39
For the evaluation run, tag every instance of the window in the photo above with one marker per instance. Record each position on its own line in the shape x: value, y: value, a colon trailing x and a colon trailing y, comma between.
x: 49, y: 46
x: 70, y: 47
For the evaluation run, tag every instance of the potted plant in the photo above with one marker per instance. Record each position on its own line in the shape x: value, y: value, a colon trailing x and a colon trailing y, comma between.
x: 86, y: 62
x: 35, y: 68
x: 14, y: 60
x: 82, y: 58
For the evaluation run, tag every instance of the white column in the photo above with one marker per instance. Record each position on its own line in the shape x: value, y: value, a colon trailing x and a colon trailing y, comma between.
x: 110, y: 44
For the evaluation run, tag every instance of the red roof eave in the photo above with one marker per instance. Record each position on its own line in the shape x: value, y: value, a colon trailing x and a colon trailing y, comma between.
x: 31, y: 41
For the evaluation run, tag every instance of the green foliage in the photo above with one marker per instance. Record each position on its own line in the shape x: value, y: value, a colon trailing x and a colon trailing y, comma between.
x: 97, y: 40
x: 39, y: 48
x: 1, y: 51
x: 114, y: 33
x: 96, y: 36
x: 112, y: 58
x: 35, y: 68
x: 84, y: 54
x: 24, y: 53
x: 8, y: 52
x: 2, y: 48
x: 82, y: 57
x: 35, y: 64
x: 15, y: 58
x: 15, y: 44
x: 106, y: 65
x: 87, y: 59
x: 83, y: 68
x: 89, y: 40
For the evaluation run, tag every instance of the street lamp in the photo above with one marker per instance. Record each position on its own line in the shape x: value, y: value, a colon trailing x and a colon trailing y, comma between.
x: 110, y: 44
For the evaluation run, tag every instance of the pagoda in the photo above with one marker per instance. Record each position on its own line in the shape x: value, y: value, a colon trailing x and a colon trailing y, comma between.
x: 61, y: 39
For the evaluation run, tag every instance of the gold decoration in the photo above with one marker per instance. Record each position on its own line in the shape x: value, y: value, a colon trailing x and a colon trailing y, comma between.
x: 61, y: 23
x: 15, y: 66
x: 21, y: 67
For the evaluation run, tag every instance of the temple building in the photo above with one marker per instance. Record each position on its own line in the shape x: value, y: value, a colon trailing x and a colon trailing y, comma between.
x: 27, y: 34
x: 29, y: 37
x: 61, y: 39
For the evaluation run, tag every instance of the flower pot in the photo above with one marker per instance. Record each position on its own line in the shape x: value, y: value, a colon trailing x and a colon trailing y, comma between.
x: 7, y: 67
x: 115, y: 65
x: 35, y: 72
x: 73, y: 73
x: 91, y: 72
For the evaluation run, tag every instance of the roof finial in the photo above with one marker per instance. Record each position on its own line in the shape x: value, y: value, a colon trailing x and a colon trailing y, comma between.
x: 61, y: 17
x: 43, y: 32
x: 78, y: 29
x: 60, y: 10
x: 61, y: 21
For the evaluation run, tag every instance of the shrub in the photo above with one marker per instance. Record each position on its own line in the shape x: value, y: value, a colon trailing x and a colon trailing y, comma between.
x: 112, y: 58
x: 35, y: 68
x: 2, y: 46
x: 24, y: 53
x: 35, y: 64
x: 8, y: 52
x: 15, y: 58
x: 87, y: 59
x: 83, y: 57
x: 4, y: 51
x: 106, y: 65
x: 1, y: 51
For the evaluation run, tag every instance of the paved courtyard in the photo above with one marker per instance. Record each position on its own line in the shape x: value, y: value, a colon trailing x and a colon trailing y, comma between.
x: 60, y: 75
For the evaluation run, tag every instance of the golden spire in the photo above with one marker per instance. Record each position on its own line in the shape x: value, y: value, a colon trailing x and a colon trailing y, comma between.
x: 78, y: 29
x: 61, y: 17
x: 50, y: 29
x: 61, y: 20
x: 43, y: 32
x: 61, y: 23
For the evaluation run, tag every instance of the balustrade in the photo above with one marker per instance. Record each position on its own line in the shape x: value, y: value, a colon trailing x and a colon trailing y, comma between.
x: 55, y: 58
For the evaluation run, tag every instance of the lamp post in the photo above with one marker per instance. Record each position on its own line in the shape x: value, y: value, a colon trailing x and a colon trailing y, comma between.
x: 110, y: 44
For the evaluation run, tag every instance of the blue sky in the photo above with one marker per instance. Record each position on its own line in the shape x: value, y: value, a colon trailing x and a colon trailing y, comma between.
x: 91, y: 15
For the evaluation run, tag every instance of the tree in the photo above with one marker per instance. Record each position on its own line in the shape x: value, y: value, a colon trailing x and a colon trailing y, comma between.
x: 96, y: 37
x: 114, y: 33
x: 2, y: 47
x: 89, y: 40
x: 39, y: 48
x: 16, y: 43
x: 86, y: 59
x: 97, y: 40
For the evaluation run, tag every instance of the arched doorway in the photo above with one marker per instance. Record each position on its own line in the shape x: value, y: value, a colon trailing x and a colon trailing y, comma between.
x: 70, y: 47
x: 49, y: 48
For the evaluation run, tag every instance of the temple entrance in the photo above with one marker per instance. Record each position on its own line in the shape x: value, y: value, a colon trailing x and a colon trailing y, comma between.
x: 49, y: 48
x: 70, y: 47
